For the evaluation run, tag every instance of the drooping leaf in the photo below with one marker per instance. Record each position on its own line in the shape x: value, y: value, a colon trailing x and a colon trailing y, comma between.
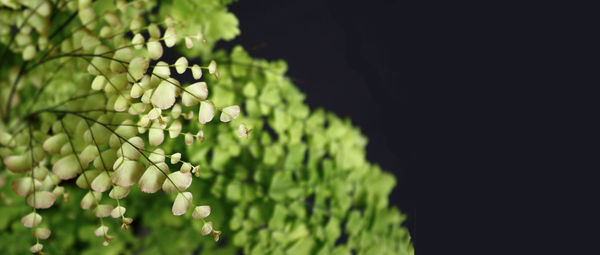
x: 230, y: 113
x: 164, y: 95
x: 194, y: 93
x: 153, y: 178
x: 201, y: 212
x: 177, y: 181
x: 67, y: 167
x: 31, y: 220
x: 207, y: 112
x: 182, y: 203
x: 41, y: 199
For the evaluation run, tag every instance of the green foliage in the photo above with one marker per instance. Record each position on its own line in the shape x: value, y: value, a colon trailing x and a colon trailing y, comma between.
x: 209, y: 16
x: 84, y: 129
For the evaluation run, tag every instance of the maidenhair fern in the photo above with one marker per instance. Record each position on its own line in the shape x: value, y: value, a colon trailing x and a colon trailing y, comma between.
x: 94, y: 118
x: 96, y: 92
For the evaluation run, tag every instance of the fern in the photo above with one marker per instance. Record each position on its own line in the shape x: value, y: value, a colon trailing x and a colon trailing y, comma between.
x: 87, y: 103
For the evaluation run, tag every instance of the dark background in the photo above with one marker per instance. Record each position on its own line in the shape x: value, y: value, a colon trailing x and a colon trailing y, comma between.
x: 345, y: 55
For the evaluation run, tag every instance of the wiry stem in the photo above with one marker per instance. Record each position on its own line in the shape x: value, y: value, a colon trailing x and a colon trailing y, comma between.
x: 12, y: 38
x: 33, y: 180
x: 13, y: 89
x: 82, y: 170
x: 140, y: 151
x: 103, y: 164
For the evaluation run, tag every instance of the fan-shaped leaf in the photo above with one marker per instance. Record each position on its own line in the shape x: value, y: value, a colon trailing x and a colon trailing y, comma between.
x: 153, y: 178
x: 31, y: 220
x: 67, y: 167
x: 182, y: 203
x: 201, y: 212
x: 164, y: 95
x: 181, y: 180
x: 127, y: 173
x: 41, y: 199
x: 207, y: 112
x: 230, y: 113
x: 194, y: 93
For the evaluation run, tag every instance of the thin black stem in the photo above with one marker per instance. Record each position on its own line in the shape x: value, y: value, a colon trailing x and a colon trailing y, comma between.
x: 138, y: 149
x: 12, y: 38
x: 63, y: 25
x: 13, y: 89
x: 32, y: 179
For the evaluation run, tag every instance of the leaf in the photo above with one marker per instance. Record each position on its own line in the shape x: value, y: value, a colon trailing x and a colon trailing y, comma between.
x: 155, y: 49
x: 90, y: 199
x: 156, y: 135
x: 42, y: 233
x: 280, y: 184
x: 194, y: 93
x: 161, y: 69
x: 207, y: 228
x: 103, y: 210
x: 67, y: 167
x: 301, y: 247
x: 181, y: 65
x: 136, y: 92
x: 332, y: 230
x: 207, y: 112
x: 41, y: 199
x: 201, y: 212
x: 131, y: 148
x: 230, y: 113
x: 55, y: 142
x: 31, y: 220
x: 99, y: 82
x: 164, y: 95
x: 121, y: 104
x: 181, y: 180
x: 154, y: 114
x: 23, y: 186
x: 170, y: 37
x: 154, y: 31
x: 102, y: 182
x: 157, y: 156
x: 101, y: 231
x: 116, y: 82
x: 176, y: 111
x: 29, y: 52
x: 226, y: 24
x: 243, y: 131
x: 189, y: 138
x: 18, y: 163
x: 128, y: 173
x: 182, y: 203
x: 121, y: 56
x: 234, y: 191
x: 175, y: 129
x: 138, y: 67
x: 196, y: 72
x: 185, y: 167
x: 175, y: 158
x: 138, y: 41
x: 153, y: 178
x: 250, y: 90
x: 118, y: 192
x: 212, y: 67
x: 36, y: 248
x: 88, y: 154
x: 189, y: 43
x: 84, y: 180
x: 118, y: 212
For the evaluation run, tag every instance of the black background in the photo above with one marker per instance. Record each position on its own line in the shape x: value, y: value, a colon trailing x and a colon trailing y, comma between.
x: 345, y: 56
